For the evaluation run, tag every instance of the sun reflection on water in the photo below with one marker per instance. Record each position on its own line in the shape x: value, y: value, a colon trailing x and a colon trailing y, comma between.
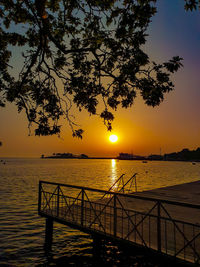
x: 113, y: 172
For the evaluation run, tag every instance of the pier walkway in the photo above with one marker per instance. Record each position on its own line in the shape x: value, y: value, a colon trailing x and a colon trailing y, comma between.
x: 168, y: 227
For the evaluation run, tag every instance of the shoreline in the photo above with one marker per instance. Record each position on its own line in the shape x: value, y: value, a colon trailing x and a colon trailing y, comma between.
x: 147, y: 160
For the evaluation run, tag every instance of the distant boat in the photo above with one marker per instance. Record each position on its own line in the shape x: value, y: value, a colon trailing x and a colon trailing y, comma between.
x: 193, y: 163
x: 144, y: 161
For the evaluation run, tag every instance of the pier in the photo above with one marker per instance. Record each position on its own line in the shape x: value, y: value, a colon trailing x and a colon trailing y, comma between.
x: 159, y: 225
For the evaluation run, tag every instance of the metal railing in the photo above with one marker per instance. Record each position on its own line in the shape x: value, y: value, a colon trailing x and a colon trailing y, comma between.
x: 162, y: 225
x: 122, y: 186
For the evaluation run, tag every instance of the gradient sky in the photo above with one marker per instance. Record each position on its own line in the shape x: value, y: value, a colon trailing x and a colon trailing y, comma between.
x: 143, y: 130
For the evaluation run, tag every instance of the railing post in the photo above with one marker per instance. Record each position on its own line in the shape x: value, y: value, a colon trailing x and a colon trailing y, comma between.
x: 158, y: 228
x: 58, y: 200
x: 82, y: 206
x: 115, y: 215
x: 135, y: 184
x: 39, y: 196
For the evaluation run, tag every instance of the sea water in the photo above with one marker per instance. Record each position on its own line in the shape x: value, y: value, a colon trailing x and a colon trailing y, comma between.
x: 22, y: 229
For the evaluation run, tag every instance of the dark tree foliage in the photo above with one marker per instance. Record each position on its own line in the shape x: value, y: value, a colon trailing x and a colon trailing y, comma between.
x: 81, y: 52
x: 185, y: 154
x: 192, y: 5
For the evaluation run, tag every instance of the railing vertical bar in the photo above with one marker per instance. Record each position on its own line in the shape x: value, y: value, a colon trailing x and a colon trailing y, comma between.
x: 74, y: 209
x: 174, y: 240
x: 82, y: 206
x: 48, y: 198
x: 110, y: 220
x: 135, y: 184
x: 51, y: 203
x: 62, y: 197
x: 99, y: 216
x: 184, y: 241
x: 69, y: 206
x: 158, y: 228
x: 95, y: 209
x: 165, y: 236
x: 122, y: 216
x: 149, y: 231
x: 142, y: 228
x: 78, y: 213
x: 194, y: 243
x: 61, y: 203
x: 135, y: 226
x: 54, y: 202
x: 40, y: 196
x: 90, y: 215
x: 115, y: 215
x: 61, y: 208
x: 58, y: 200
x: 128, y: 224
x: 105, y: 219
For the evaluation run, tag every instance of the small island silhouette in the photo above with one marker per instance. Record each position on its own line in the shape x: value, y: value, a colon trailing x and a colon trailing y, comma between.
x: 183, y: 155
x: 65, y: 156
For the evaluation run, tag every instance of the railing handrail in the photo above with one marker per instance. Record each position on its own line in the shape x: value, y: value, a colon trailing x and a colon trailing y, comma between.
x: 136, y: 212
x: 175, y: 203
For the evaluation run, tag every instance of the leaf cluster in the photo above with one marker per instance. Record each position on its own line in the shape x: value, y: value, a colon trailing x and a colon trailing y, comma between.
x: 192, y: 5
x: 82, y: 52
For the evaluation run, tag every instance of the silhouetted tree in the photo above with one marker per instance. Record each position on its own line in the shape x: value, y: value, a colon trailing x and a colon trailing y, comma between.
x: 81, y: 52
x: 192, y: 4
x: 184, y: 154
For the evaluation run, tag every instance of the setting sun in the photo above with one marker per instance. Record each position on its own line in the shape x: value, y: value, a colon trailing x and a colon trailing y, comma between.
x: 113, y: 138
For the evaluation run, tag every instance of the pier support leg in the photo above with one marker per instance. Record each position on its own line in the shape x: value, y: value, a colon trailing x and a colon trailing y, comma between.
x: 48, y: 234
x: 97, y: 248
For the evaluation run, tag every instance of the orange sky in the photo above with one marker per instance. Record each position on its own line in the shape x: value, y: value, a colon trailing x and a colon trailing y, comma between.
x: 143, y: 130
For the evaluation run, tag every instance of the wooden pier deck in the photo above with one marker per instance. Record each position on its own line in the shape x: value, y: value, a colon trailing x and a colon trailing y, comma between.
x: 152, y: 219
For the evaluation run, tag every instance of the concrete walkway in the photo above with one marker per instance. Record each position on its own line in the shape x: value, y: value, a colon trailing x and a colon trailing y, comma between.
x: 188, y: 192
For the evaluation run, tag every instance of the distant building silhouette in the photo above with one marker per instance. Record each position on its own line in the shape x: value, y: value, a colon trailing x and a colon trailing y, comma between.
x: 127, y: 156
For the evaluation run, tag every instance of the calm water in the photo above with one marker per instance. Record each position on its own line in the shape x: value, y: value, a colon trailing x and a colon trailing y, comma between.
x: 22, y: 230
